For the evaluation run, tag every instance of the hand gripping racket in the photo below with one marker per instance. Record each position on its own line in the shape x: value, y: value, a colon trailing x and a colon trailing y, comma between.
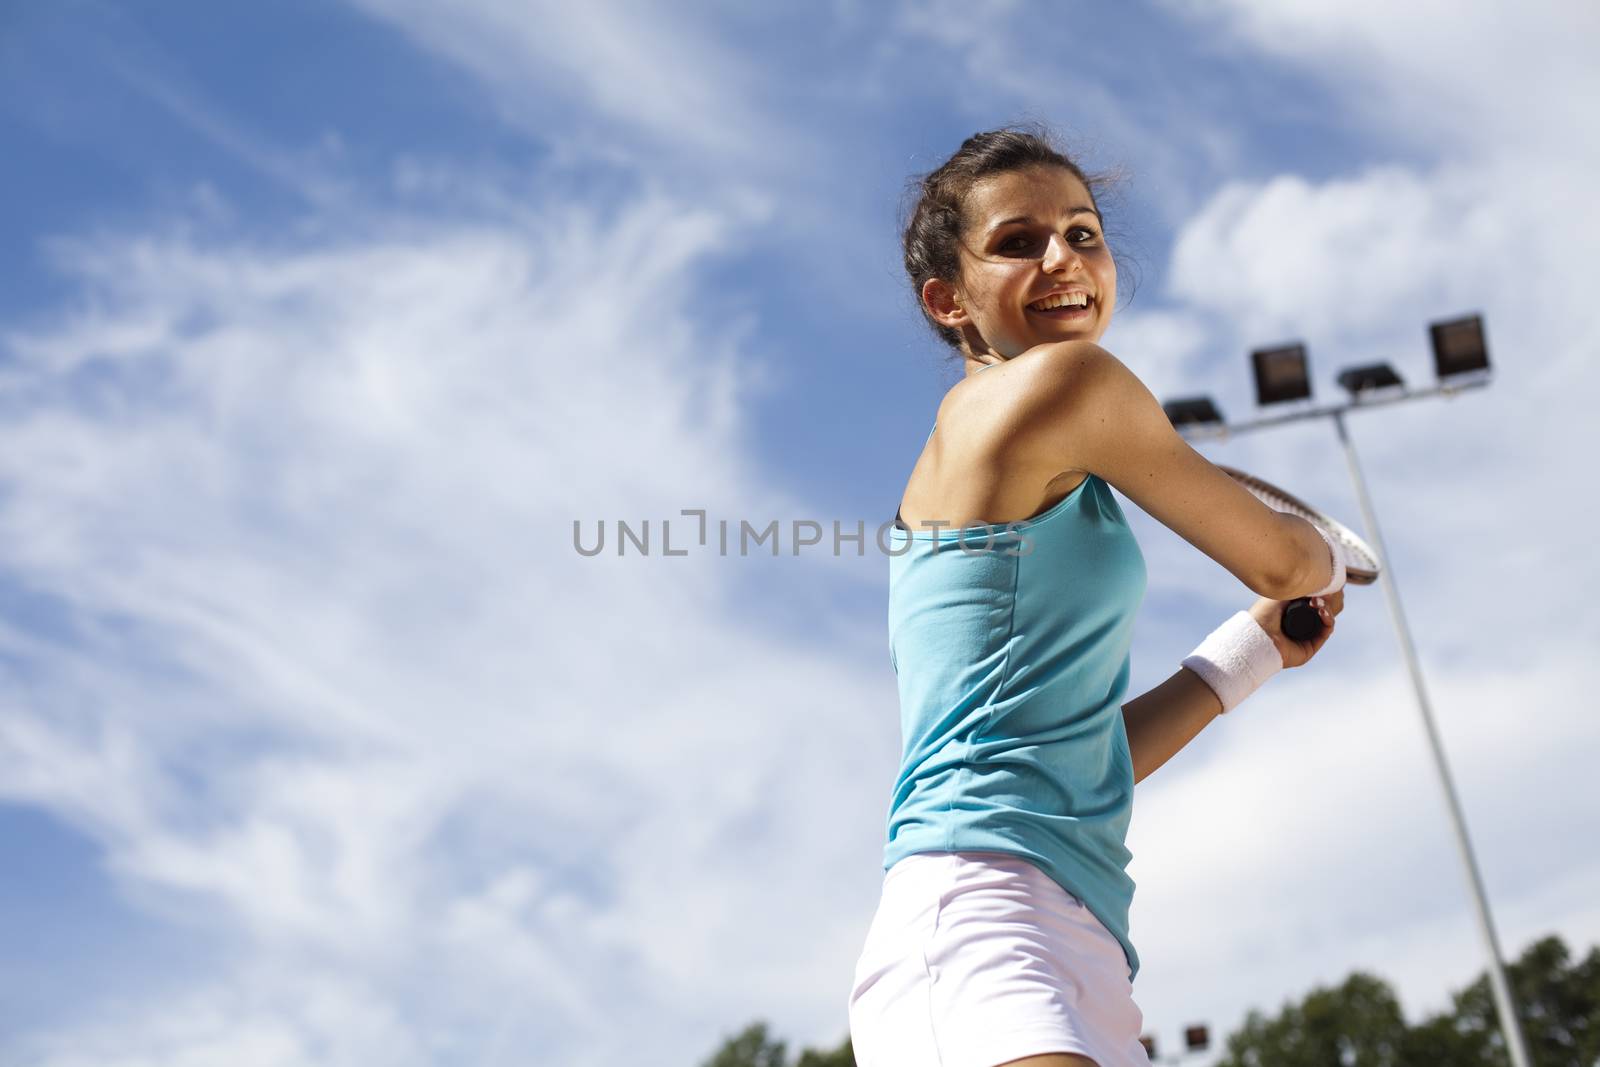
x: 1300, y: 620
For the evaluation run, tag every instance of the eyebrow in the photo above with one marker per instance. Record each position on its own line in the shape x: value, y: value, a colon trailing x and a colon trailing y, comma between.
x: 1080, y: 210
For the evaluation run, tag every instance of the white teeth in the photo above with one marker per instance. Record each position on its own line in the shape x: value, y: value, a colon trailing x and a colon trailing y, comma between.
x: 1061, y: 300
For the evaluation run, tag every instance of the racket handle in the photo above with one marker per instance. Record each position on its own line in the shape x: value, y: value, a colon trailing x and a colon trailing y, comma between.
x: 1301, y: 621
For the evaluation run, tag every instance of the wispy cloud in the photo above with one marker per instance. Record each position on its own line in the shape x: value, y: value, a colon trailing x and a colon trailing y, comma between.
x: 307, y: 173
x: 1168, y: 126
x: 324, y: 674
x: 338, y: 678
x: 1266, y: 819
x: 1453, y: 78
x: 663, y: 78
x: 71, y: 62
x: 1388, y: 245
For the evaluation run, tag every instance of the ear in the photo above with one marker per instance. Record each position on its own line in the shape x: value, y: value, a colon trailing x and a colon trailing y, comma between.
x: 942, y: 302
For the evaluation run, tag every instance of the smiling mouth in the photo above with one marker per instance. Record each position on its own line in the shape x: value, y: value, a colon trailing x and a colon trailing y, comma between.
x: 1066, y: 313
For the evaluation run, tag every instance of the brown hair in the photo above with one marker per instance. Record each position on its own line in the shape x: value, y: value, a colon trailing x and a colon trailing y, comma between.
x: 933, y: 229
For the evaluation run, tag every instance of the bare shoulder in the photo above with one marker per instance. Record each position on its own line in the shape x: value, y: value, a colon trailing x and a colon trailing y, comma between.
x: 1074, y: 373
x: 1075, y: 406
x: 980, y: 415
x: 1066, y: 360
x: 1039, y: 377
x: 971, y: 469
x: 1040, y: 405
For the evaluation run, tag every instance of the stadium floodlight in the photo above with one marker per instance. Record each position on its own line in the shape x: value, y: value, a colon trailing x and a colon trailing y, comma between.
x: 1368, y: 377
x: 1461, y: 359
x: 1281, y: 374
x: 1192, y: 411
x: 1458, y: 346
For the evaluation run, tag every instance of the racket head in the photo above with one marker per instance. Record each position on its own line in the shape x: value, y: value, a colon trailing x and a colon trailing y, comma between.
x: 1360, y: 561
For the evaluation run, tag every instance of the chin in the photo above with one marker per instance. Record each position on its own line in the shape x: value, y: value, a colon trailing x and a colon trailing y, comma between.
x: 1074, y: 333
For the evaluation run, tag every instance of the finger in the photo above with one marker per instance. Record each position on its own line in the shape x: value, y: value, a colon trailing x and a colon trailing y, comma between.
x: 1327, y: 627
x: 1335, y: 601
x: 1314, y: 645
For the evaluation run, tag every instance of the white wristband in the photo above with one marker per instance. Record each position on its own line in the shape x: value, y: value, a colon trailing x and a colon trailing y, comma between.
x: 1337, y: 581
x: 1235, y: 659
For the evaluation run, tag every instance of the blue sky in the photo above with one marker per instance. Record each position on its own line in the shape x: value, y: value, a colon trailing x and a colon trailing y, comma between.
x: 320, y: 744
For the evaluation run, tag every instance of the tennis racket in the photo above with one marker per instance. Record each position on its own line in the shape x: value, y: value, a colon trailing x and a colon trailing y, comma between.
x: 1300, y: 620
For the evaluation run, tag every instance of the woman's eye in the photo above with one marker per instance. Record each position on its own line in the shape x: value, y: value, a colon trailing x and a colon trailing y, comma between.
x: 1023, y: 244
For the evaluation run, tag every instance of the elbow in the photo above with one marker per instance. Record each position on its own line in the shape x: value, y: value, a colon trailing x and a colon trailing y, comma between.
x: 1278, y: 587
x: 1301, y: 570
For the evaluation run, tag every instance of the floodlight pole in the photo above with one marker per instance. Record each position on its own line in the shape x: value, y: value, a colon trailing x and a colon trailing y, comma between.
x: 1498, y: 984
x: 1458, y: 820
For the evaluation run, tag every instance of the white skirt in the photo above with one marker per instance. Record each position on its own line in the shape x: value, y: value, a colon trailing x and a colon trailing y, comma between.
x: 975, y: 959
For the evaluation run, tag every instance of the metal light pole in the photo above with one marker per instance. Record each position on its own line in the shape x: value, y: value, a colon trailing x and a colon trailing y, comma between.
x: 1281, y: 375
x: 1458, y: 820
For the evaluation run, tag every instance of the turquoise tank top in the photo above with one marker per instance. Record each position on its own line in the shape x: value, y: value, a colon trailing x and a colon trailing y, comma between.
x: 1012, y: 662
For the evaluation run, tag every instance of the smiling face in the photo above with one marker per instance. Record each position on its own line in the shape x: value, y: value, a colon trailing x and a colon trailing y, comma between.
x: 1032, y: 241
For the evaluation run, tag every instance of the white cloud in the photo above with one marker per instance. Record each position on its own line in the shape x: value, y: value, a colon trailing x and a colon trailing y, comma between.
x: 306, y: 172
x: 1480, y: 80
x: 659, y: 75
x: 1347, y: 257
x: 339, y: 684
x: 1152, y: 137
x: 1308, y: 838
x: 1323, y: 846
x: 1164, y: 346
x: 260, y: 1020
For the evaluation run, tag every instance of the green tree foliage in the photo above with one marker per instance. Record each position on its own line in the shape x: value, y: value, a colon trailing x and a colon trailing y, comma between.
x: 1359, y: 1023
x: 750, y: 1048
x: 753, y: 1048
x: 843, y: 1056
x: 1558, y: 1004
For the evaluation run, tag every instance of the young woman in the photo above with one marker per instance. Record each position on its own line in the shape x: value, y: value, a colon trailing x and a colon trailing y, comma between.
x: 1002, y: 933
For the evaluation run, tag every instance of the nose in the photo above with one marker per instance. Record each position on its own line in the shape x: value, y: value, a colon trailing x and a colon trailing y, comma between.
x: 1059, y: 254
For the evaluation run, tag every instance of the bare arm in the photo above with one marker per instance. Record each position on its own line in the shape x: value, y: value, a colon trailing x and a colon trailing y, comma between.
x: 1159, y: 723
x: 1084, y: 410
x: 1162, y: 721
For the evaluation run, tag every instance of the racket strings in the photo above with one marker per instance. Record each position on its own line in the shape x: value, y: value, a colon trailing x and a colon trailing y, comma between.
x: 1360, y: 561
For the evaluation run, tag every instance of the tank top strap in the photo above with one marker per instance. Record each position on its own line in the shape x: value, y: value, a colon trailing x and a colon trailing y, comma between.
x: 935, y: 425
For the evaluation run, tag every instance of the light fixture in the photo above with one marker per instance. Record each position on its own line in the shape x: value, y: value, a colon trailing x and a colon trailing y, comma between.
x: 1458, y: 346
x: 1366, y: 378
x: 1192, y: 411
x: 1281, y: 374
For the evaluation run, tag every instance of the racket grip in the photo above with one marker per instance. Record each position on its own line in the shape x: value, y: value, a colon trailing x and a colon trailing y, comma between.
x: 1301, y: 621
